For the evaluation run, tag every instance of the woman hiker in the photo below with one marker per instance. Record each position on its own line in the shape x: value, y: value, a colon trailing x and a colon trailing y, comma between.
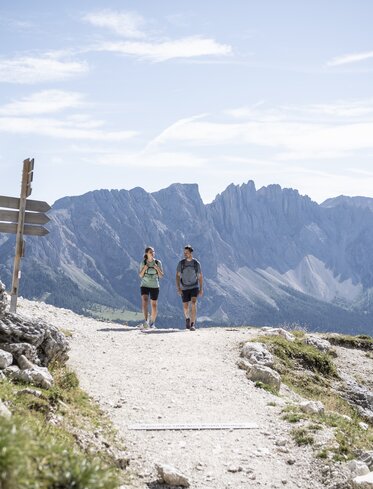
x: 151, y: 271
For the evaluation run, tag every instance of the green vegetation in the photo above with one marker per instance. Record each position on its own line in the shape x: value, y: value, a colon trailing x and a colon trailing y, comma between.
x: 266, y: 387
x: 363, y: 342
x: 292, y: 352
x: 111, y: 314
x: 311, y: 374
x: 38, y: 454
x: 302, y: 437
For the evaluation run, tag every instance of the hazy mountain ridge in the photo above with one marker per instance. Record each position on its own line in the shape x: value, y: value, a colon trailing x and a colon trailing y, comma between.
x: 268, y: 255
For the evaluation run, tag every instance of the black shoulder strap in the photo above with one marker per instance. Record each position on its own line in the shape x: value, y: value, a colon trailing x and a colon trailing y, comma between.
x: 182, y: 265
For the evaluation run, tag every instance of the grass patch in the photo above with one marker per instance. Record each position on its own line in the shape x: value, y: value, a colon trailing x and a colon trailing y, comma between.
x: 323, y: 454
x: 37, y: 454
x: 311, y: 374
x: 307, y: 356
x: 266, y: 387
x: 111, y: 314
x: 33, y: 454
x: 362, y: 342
x: 302, y: 436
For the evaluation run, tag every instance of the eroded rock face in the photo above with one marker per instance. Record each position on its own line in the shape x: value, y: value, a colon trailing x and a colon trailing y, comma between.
x: 45, y: 340
x: 28, y: 346
x: 358, y: 395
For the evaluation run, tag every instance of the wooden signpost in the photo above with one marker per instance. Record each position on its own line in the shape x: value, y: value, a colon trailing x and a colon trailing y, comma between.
x: 26, y: 217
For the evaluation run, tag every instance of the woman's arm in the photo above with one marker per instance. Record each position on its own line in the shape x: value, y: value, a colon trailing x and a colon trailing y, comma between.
x: 143, y: 270
x: 159, y: 271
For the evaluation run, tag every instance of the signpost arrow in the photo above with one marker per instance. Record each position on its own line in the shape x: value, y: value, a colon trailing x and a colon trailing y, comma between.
x: 30, y: 217
x: 7, y: 227
x: 24, y: 218
x: 31, y: 205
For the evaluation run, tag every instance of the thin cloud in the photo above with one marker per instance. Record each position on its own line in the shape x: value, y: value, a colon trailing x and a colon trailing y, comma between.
x: 145, y: 159
x: 126, y: 24
x: 309, y: 135
x: 350, y: 58
x: 45, y: 102
x: 67, y: 129
x: 29, y: 69
x: 188, y: 47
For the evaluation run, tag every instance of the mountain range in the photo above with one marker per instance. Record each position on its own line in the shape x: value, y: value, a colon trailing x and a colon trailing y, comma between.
x: 269, y: 256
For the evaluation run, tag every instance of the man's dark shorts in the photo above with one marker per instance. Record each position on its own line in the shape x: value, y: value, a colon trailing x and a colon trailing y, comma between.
x: 152, y: 291
x: 188, y: 294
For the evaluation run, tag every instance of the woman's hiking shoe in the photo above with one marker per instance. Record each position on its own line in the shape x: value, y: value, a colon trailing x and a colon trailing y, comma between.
x: 192, y: 327
x: 145, y: 325
x: 187, y: 323
x: 152, y: 325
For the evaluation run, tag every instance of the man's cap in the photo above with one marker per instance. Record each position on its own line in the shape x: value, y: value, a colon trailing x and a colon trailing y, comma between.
x: 188, y: 247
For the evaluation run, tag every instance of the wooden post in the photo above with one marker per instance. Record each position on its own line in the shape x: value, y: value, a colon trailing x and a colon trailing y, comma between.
x: 27, y: 175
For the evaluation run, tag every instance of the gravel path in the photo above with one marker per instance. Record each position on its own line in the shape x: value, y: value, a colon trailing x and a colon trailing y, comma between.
x: 185, y: 377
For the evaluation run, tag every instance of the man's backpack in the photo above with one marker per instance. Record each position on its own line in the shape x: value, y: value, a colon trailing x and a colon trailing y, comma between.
x: 189, y: 280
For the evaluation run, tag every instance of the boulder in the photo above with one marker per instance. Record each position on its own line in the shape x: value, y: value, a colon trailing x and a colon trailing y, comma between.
x: 261, y: 373
x: 312, y: 407
x: 257, y: 353
x: 319, y: 343
x: 267, y: 331
x: 171, y: 476
x: 363, y: 481
x: 6, y: 359
x: 358, y: 468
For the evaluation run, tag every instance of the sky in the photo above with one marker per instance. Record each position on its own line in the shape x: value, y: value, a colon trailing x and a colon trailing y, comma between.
x: 123, y: 94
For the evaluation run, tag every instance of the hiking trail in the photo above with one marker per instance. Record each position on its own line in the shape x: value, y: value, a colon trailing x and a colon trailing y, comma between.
x: 186, y: 377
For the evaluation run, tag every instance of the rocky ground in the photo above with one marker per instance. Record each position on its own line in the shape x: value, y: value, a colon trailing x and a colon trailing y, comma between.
x: 182, y: 377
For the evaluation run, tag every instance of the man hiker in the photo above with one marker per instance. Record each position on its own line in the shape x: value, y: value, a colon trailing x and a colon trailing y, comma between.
x: 189, y: 284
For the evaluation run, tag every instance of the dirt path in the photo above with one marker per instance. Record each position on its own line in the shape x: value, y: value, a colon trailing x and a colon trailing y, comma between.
x: 185, y: 377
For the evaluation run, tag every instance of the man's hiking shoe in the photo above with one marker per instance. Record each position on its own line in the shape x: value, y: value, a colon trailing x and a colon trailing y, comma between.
x: 187, y: 323
x: 192, y: 327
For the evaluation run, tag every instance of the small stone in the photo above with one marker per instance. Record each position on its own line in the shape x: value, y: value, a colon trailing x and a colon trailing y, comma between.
x: 260, y: 373
x: 171, y: 476
x: 24, y: 363
x: 312, y: 407
x: 358, y: 468
x: 4, y: 411
x: 234, y: 469
x: 6, y: 359
x: 364, y: 426
x: 363, y: 481
x: 281, y: 442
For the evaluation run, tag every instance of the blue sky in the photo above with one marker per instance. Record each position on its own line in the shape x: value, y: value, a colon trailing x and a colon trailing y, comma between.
x: 120, y: 94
